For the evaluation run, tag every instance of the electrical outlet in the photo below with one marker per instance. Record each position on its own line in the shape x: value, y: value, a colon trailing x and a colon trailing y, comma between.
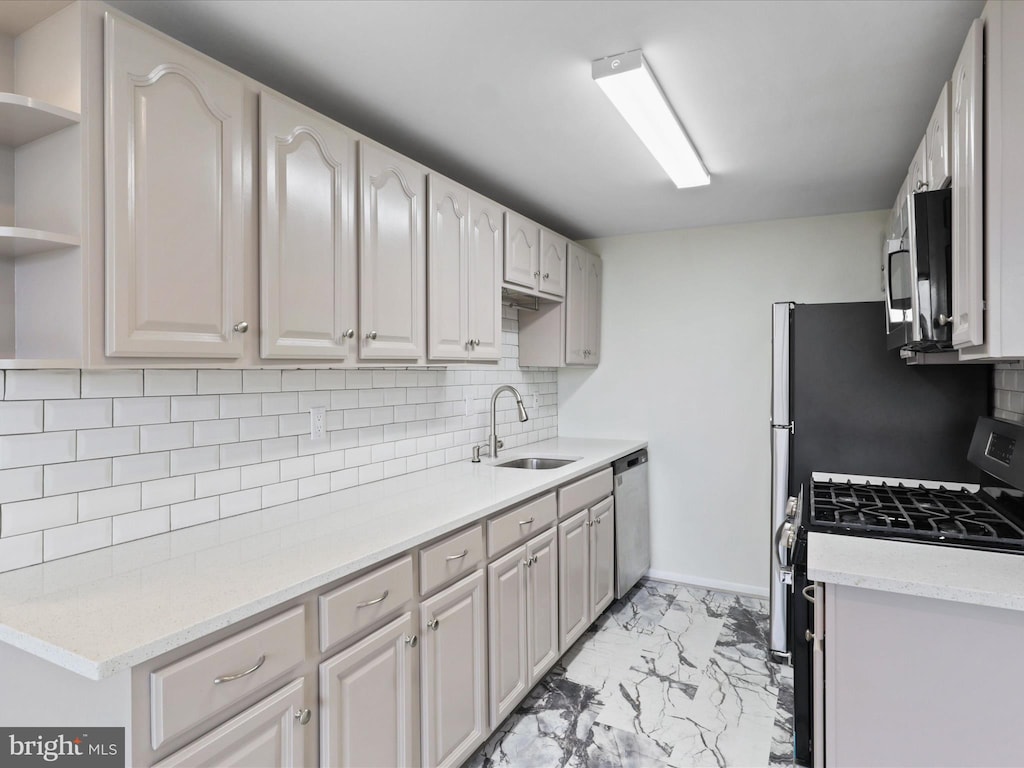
x: 317, y: 419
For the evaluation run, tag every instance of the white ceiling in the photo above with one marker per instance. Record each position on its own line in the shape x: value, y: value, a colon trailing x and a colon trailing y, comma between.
x: 797, y: 108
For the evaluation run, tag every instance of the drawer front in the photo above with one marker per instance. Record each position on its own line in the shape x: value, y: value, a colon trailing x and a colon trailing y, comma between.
x: 520, y: 523
x: 365, y: 602
x: 458, y: 554
x: 186, y: 693
x: 583, y: 493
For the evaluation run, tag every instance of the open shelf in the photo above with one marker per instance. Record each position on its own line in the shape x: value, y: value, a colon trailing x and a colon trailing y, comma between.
x: 21, y: 241
x: 24, y: 119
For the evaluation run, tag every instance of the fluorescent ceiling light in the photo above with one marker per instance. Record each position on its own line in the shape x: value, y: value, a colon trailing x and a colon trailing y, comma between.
x: 628, y: 81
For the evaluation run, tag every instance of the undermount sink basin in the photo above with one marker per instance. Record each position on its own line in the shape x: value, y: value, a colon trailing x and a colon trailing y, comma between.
x: 534, y: 462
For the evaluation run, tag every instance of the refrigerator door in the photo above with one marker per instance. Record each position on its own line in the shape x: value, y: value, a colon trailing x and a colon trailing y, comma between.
x: 780, y: 578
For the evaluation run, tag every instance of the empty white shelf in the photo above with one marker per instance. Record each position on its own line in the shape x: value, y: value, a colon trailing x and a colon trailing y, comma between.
x: 21, y: 241
x: 24, y: 119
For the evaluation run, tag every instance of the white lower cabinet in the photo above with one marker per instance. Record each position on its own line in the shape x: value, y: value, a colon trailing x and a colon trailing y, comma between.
x: 268, y: 734
x: 454, y: 672
x: 522, y: 590
x: 369, y: 716
x: 602, y: 556
x: 586, y: 569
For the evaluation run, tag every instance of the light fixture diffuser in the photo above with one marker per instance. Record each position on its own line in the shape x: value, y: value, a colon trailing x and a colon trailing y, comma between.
x: 628, y: 81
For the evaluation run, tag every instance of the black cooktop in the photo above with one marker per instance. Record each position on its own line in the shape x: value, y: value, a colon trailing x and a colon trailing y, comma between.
x: 940, y: 515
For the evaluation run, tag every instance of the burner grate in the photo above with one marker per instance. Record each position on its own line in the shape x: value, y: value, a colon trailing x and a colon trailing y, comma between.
x: 932, y: 514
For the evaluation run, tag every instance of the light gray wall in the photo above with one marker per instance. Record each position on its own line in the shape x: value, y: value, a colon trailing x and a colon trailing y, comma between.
x: 686, y: 363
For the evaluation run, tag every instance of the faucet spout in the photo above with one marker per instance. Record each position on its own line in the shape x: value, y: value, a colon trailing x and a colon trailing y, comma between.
x: 492, y: 439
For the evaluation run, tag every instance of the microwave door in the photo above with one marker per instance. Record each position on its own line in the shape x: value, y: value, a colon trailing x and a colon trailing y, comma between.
x: 899, y: 290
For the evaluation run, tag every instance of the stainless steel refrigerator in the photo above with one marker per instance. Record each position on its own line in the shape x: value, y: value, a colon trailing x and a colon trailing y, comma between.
x: 843, y: 403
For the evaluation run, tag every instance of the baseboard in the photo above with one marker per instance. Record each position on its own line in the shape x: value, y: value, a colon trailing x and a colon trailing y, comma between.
x: 704, y: 583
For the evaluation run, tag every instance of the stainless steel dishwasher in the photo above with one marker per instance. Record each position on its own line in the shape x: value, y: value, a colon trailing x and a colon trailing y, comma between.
x: 632, y: 521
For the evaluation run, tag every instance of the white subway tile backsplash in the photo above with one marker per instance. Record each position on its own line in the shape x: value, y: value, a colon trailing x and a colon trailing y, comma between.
x: 142, y: 467
x: 26, y: 516
x: 195, y: 408
x: 145, y: 452
x: 76, y: 476
x: 20, y: 551
x: 18, y: 418
x: 101, y: 443
x: 21, y: 484
x: 112, y: 384
x: 219, y: 382
x: 40, y: 448
x: 137, y: 525
x: 158, y: 382
x: 43, y: 385
x: 78, y: 414
x: 141, y: 410
x: 109, y: 501
x: 74, y: 539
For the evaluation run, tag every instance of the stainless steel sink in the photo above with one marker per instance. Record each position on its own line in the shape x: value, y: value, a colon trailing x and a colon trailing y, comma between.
x: 534, y: 462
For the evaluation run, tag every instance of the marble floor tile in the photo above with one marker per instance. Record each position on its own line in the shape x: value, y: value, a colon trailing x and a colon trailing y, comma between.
x: 668, y: 676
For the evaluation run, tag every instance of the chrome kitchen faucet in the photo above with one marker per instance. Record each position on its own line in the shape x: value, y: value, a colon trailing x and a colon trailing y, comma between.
x: 492, y: 440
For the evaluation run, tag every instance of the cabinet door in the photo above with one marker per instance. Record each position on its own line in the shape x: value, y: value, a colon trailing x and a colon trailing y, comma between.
x: 174, y: 209
x: 454, y: 674
x: 506, y: 608
x: 602, y: 556
x: 486, y: 246
x: 542, y: 604
x: 576, y: 307
x: 522, y: 251
x: 552, y: 263
x: 307, y: 233
x: 368, y: 708
x: 936, y: 172
x: 447, y: 269
x: 268, y: 734
x: 967, y: 146
x: 392, y: 255
x: 595, y: 271
x: 573, y: 578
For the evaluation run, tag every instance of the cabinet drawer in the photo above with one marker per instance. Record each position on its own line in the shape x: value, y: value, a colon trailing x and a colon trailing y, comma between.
x: 452, y: 557
x: 507, y: 529
x: 197, y: 687
x: 583, y: 493
x: 364, y: 602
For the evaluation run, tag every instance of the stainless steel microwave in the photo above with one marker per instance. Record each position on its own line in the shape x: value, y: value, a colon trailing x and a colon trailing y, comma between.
x: 918, y: 262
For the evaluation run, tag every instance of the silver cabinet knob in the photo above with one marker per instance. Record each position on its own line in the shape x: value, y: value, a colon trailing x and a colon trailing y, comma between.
x: 476, y: 342
x: 547, y: 275
x: 470, y: 343
x: 372, y: 335
x: 808, y: 636
x: 350, y: 333
x: 433, y: 624
x: 537, y: 273
x: 241, y: 327
x: 412, y: 642
x: 943, y: 320
x: 921, y: 184
x: 303, y: 716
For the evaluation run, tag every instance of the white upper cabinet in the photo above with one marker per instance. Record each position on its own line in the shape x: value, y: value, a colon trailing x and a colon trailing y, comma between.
x: 522, y: 251
x: 392, y: 255
x: 447, y: 277
x: 583, y: 308
x: 916, y: 181
x: 968, y: 236
x: 174, y: 207
x: 552, y: 263
x: 937, y: 166
x: 307, y: 233
x: 486, y: 247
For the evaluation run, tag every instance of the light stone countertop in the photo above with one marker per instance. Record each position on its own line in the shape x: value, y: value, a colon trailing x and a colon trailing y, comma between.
x: 102, y: 612
x: 994, y: 579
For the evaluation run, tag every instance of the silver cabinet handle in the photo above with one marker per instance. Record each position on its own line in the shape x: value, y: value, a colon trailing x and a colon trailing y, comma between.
x: 459, y: 556
x: 368, y: 603
x: 808, y: 636
x: 533, y: 560
x: 526, y: 562
x: 229, y: 678
x: 433, y: 624
x: 303, y: 716
x: 372, y: 335
x: 943, y: 320
x: 537, y: 273
x: 526, y: 522
x: 411, y: 641
x: 350, y: 333
x: 921, y: 184
x: 241, y: 327
x: 808, y: 593
x: 476, y: 342
x: 547, y: 275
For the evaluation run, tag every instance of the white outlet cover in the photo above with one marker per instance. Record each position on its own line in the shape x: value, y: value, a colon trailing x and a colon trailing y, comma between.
x: 317, y: 422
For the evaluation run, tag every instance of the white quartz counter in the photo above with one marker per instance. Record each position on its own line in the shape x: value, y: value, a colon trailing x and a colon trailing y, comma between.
x: 947, y: 573
x: 102, y: 612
